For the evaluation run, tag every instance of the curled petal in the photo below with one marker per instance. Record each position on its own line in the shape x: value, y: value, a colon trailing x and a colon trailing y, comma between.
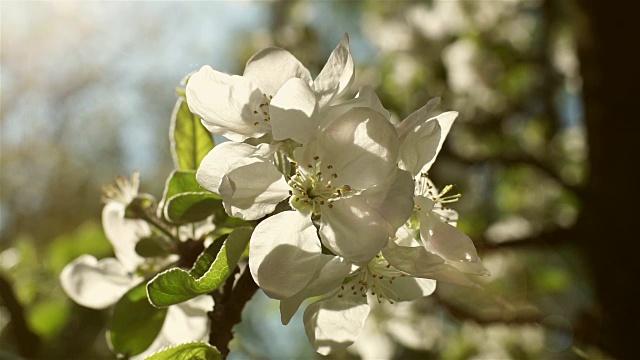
x: 419, y: 263
x: 419, y: 147
x: 284, y: 254
x: 451, y: 244
x: 417, y: 117
x: 270, y: 68
x: 330, y: 273
x: 353, y: 229
x: 292, y: 112
x: 422, y: 137
x: 226, y: 104
x: 252, y: 188
x: 414, y: 261
x: 95, y: 284
x: 446, y: 121
x: 409, y: 288
x: 333, y: 324
x: 219, y: 160
x: 337, y: 75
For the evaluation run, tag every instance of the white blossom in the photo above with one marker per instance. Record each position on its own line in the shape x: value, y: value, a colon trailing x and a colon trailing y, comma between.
x: 274, y: 88
x: 99, y: 284
x: 343, y: 179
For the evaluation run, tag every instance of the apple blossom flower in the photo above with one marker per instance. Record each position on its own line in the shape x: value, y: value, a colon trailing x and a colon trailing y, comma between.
x: 274, y: 87
x: 438, y: 232
x: 347, y: 291
x: 98, y: 284
x: 421, y: 138
x: 344, y: 179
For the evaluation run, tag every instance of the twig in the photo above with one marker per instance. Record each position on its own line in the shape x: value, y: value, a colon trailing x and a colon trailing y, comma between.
x: 522, y: 159
x: 549, y: 238
x: 227, y: 310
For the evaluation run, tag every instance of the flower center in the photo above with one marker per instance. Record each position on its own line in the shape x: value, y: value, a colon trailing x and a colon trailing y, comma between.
x: 311, y: 187
x: 262, y: 111
x: 375, y: 278
x: 123, y: 190
x: 424, y: 187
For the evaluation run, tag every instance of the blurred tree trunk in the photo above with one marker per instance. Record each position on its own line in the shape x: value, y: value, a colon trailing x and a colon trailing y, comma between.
x: 609, y: 220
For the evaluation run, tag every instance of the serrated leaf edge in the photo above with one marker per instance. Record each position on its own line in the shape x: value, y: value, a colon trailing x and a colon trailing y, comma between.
x: 223, y: 248
x: 169, y: 347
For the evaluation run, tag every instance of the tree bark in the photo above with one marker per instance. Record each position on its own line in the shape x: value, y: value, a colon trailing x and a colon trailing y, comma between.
x: 608, y: 48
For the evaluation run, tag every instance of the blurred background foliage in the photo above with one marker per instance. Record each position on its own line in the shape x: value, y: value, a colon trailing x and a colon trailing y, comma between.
x: 88, y: 89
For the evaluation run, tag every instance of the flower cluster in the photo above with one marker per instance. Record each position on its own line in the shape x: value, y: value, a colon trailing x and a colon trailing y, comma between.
x: 99, y: 284
x: 345, y: 206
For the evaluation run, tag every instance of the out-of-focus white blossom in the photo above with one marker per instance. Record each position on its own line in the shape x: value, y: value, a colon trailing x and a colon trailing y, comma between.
x: 98, y: 284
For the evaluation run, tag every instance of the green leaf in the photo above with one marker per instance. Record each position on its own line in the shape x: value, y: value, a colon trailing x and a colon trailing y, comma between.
x: 192, y: 206
x: 150, y: 247
x: 180, y: 181
x: 135, y: 323
x: 210, y: 271
x: 188, y: 351
x: 190, y: 140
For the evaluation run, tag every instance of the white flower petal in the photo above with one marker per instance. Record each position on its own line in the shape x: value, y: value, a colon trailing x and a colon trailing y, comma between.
x: 188, y: 321
x: 446, y: 121
x: 284, y: 254
x: 451, y: 244
x: 414, y: 261
x: 252, y: 188
x: 226, y: 104
x: 419, y: 146
x: 330, y: 273
x: 418, y: 262
x: 368, y: 98
x: 335, y: 323
x: 393, y: 200
x: 123, y: 234
x: 417, y: 117
x: 354, y: 229
x: 408, y: 237
x: 218, y: 161
x: 292, y: 111
x: 95, y: 284
x: 408, y: 288
x: 270, y: 68
x: 184, y: 322
x: 362, y: 147
x: 337, y: 75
